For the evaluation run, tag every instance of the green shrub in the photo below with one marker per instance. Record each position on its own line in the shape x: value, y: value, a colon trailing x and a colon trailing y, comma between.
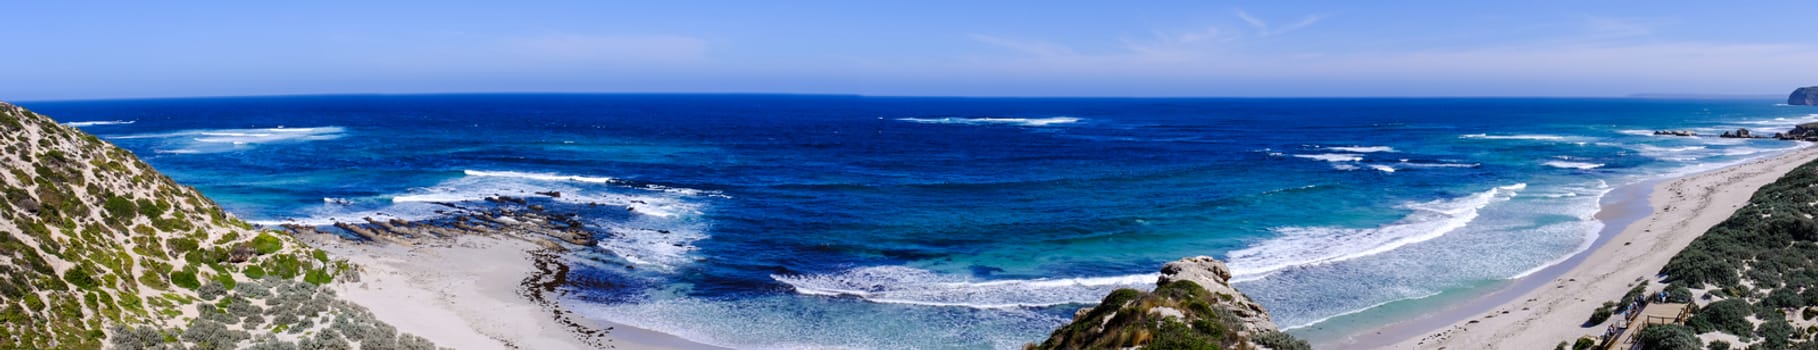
x: 1669, y: 337
x: 254, y: 272
x: 1584, y: 343
x: 284, y: 266
x: 1775, y: 333
x: 1783, y: 298
x: 1602, y: 313
x: 80, y: 277
x: 119, y: 208
x: 265, y: 243
x: 1679, y: 294
x: 1728, y: 316
x: 1174, y: 335
x: 185, y: 278
x: 1280, y: 341
x: 180, y: 245
x: 318, y: 277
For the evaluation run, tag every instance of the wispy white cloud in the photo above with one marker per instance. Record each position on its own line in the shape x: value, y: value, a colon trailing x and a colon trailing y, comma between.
x: 1254, y: 22
x: 1263, y: 29
x: 1598, y: 55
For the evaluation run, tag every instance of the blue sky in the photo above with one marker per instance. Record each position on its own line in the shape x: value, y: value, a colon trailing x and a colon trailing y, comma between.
x: 113, y: 49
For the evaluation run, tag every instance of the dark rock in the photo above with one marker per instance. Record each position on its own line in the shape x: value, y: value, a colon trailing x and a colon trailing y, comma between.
x: 1738, y: 134
x: 241, y: 254
x: 536, y: 207
x: 1805, y: 132
x: 1675, y: 133
x: 1805, y: 96
x: 554, y: 194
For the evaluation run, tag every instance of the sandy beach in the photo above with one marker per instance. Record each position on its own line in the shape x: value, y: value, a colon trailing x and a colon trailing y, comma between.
x: 465, y: 294
x: 1550, y: 308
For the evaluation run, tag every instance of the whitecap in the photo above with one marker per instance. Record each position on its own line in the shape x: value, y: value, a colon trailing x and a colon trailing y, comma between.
x: 1382, y: 168
x: 1303, y: 246
x: 1332, y: 157
x: 1001, y: 121
x: 100, y: 123
x: 222, y: 140
x: 908, y: 285
x: 539, y: 176
x: 1572, y: 165
x: 1514, y: 137
x: 1406, y: 163
x: 1362, y: 149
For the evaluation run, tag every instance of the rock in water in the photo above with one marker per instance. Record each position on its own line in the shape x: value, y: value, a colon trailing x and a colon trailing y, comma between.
x: 1805, y: 96
x: 1806, y: 132
x: 1193, y: 307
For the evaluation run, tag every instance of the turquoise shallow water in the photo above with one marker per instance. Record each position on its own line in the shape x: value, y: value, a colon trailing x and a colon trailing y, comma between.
x: 841, y: 221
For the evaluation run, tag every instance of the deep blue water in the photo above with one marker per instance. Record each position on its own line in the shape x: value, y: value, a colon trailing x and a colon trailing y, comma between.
x: 763, y: 221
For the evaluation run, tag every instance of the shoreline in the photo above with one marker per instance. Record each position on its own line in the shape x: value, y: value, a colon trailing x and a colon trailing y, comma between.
x: 472, y: 293
x: 1668, y: 212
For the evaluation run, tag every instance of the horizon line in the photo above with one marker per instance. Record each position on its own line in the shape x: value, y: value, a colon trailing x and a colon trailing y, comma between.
x: 857, y: 95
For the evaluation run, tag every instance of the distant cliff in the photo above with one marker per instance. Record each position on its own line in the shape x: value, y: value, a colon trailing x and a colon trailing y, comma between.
x: 1193, y: 306
x: 97, y: 249
x: 1805, y: 96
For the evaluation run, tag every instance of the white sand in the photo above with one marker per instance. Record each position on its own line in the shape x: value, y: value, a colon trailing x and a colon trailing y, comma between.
x: 1684, y: 208
x: 464, y: 295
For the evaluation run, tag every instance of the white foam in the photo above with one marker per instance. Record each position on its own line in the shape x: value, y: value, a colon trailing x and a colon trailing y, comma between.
x: 99, y: 123
x: 478, y: 188
x: 1440, y: 165
x: 1303, y: 246
x: 1382, y: 168
x: 1345, y: 167
x: 656, y: 242
x: 987, y: 121
x: 1572, y: 165
x: 1332, y: 157
x: 539, y: 176
x: 222, y: 140
x: 1361, y: 149
x: 1515, y: 137
x: 908, y: 285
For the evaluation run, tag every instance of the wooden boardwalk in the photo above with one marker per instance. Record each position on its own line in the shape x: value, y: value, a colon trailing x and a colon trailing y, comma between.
x: 1628, y: 334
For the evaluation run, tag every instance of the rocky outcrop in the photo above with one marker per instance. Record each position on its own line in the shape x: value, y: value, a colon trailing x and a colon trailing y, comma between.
x: 1739, y: 134
x: 1675, y: 133
x: 97, y: 249
x: 1805, y: 96
x: 1212, y: 275
x: 1802, y: 132
x: 1193, y: 306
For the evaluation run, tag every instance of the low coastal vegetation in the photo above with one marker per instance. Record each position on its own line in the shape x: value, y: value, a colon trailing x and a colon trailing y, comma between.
x: 1753, y: 278
x: 1192, y: 307
x: 97, y: 250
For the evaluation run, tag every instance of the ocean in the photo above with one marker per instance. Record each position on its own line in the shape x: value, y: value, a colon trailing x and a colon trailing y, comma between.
x: 807, y: 221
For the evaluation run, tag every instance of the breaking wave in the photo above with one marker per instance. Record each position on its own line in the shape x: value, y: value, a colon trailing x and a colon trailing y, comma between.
x: 1301, y: 246
x: 908, y: 285
x: 998, y: 121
